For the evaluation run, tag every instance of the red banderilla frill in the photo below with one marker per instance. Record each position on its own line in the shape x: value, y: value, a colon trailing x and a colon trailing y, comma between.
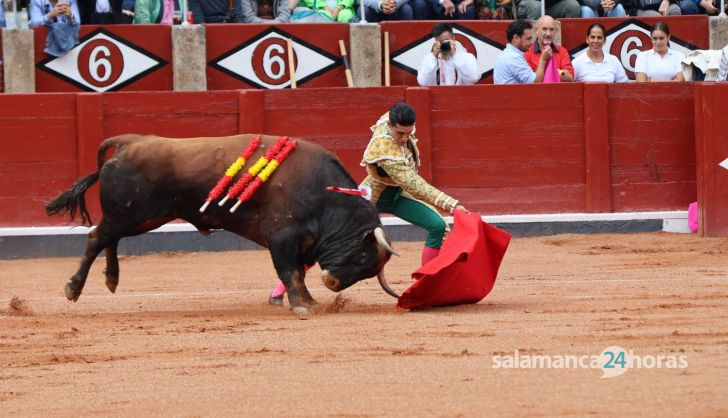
x: 264, y: 174
x: 230, y: 173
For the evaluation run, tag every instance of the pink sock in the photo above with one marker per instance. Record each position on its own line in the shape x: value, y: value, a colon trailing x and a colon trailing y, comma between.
x: 281, y: 288
x: 428, y: 253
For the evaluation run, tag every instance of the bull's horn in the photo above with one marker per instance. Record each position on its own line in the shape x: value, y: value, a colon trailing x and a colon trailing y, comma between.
x: 385, y: 286
x: 379, y: 234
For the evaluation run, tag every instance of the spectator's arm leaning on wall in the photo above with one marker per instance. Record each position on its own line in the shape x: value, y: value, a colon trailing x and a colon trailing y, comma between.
x: 196, y: 9
x: 374, y: 5
x: 249, y: 15
x: 238, y: 11
x: 143, y: 12
x: 283, y: 12
x: 592, y: 4
x: 36, y: 15
x: 466, y: 66
x: 401, y: 3
x: 73, y: 4
x: 128, y: 6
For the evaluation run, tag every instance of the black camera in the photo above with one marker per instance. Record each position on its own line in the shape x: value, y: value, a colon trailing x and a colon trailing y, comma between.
x: 445, y: 46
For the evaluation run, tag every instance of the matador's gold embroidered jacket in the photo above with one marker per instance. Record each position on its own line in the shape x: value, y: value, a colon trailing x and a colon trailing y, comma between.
x: 389, y: 164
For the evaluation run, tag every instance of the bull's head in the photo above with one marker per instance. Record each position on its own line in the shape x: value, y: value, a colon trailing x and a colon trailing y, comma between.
x: 361, y: 260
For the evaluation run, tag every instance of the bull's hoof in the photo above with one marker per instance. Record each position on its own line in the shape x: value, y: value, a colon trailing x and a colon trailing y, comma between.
x: 71, y: 293
x: 301, y: 311
x: 112, y: 279
x: 276, y: 300
x: 111, y: 284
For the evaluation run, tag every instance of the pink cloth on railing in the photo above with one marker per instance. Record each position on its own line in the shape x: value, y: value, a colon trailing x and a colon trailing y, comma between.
x: 693, y: 217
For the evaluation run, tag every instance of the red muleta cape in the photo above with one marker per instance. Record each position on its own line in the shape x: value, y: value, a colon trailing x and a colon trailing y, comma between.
x: 464, y: 271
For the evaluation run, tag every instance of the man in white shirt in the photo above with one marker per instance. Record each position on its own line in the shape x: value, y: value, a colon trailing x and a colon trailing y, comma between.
x: 449, y: 63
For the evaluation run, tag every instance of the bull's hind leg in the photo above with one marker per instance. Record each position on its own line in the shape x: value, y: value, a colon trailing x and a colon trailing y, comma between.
x: 112, y: 266
x: 97, y: 240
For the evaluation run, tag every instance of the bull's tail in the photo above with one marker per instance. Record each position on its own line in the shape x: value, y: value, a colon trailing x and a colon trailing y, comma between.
x: 73, y: 201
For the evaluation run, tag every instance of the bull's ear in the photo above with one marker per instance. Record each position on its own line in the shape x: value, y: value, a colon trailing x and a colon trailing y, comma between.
x: 368, y: 237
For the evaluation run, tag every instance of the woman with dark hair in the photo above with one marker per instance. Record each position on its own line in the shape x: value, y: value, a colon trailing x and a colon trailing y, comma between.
x: 659, y: 63
x: 595, y: 65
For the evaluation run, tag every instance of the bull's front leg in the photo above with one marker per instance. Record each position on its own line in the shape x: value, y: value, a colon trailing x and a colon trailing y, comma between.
x: 284, y: 250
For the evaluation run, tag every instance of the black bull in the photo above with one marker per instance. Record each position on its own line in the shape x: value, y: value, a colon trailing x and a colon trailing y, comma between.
x: 149, y: 181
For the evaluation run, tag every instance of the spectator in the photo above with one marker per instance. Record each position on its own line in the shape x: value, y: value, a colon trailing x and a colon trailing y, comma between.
x: 449, y: 63
x: 493, y: 10
x: 378, y: 10
x: 595, y: 65
x: 154, y: 11
x: 216, y: 11
x: 659, y: 63
x: 266, y: 11
x: 545, y: 32
x: 61, y: 18
x: 657, y: 8
x: 443, y: 9
x: 696, y: 7
x: 102, y: 12
x: 127, y: 10
x: 510, y: 66
x: 330, y: 10
x: 531, y: 9
x: 602, y: 8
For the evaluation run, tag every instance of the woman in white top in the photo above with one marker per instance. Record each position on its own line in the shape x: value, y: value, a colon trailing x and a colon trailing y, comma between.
x: 659, y: 63
x: 595, y: 65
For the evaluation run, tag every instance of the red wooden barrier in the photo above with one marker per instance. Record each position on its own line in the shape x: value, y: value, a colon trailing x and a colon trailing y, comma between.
x: 711, y: 139
x: 411, y: 41
x: 505, y: 149
x: 254, y: 56
x: 627, y: 37
x: 501, y: 149
x: 108, y: 58
x: 651, y: 138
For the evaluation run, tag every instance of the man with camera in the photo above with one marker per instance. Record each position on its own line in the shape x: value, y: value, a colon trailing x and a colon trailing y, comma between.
x: 449, y: 63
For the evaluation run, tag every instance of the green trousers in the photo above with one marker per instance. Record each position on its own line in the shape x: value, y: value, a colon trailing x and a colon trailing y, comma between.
x: 416, y: 212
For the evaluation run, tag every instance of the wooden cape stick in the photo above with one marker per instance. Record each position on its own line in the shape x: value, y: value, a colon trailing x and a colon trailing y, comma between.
x: 387, y: 79
x: 349, y: 78
x: 291, y: 64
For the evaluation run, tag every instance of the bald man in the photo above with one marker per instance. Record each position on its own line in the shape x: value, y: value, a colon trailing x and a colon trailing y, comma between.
x: 545, y: 33
x: 531, y: 9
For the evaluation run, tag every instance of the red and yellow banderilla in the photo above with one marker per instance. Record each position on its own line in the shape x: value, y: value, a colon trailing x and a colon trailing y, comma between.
x: 254, y: 170
x: 263, y: 176
x: 230, y: 173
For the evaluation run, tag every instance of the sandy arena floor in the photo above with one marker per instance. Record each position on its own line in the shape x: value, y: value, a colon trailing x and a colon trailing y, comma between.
x: 192, y: 335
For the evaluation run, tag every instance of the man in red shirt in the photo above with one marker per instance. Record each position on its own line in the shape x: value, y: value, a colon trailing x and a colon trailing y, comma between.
x: 545, y: 37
